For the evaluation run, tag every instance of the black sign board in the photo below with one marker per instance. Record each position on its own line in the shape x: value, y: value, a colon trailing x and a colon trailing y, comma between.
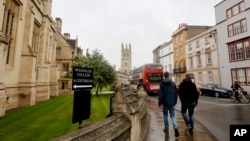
x: 81, y: 106
x: 82, y: 78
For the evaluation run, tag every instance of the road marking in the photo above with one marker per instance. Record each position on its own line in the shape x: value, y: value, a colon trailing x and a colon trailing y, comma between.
x: 222, y: 104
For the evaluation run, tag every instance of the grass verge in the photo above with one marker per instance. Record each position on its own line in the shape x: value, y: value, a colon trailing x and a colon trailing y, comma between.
x: 49, y: 119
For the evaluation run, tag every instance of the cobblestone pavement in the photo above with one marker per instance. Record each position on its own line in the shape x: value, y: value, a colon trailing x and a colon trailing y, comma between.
x: 156, y: 126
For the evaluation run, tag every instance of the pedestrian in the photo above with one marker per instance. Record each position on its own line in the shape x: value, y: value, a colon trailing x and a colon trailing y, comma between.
x: 236, y: 88
x: 188, y: 95
x: 167, y: 101
x: 141, y: 85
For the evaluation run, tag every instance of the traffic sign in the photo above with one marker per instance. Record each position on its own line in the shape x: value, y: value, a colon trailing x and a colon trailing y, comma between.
x: 82, y: 78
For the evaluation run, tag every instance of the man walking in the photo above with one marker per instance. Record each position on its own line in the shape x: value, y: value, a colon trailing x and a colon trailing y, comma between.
x: 189, y: 95
x: 168, y: 98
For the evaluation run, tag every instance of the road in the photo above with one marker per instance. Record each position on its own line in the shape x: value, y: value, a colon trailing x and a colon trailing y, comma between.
x: 217, y: 114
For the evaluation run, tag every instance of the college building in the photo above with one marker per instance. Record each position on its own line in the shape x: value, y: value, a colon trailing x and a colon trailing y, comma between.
x: 33, y: 54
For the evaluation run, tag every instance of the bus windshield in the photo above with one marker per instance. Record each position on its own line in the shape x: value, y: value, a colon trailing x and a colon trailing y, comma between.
x: 154, y: 77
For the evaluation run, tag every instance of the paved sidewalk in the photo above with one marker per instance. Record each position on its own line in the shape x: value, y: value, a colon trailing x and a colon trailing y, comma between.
x: 156, y: 126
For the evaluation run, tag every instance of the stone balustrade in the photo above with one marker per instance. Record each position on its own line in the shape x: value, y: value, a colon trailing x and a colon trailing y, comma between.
x: 128, y: 120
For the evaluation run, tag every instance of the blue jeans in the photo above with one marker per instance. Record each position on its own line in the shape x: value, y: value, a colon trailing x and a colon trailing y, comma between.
x: 189, y: 120
x: 171, y: 110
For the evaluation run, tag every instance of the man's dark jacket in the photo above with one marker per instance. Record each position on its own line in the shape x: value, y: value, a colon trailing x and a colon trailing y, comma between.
x: 168, y: 94
x: 188, y: 92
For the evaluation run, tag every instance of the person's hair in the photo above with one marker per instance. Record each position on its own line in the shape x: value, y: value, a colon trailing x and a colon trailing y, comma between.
x: 166, y: 74
x: 188, y: 76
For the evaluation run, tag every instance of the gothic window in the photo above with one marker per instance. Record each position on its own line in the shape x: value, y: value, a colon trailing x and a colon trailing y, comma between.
x: 9, y: 27
x: 65, y: 67
x: 64, y: 85
x: 36, y: 37
x: 49, y: 46
x: 58, y: 52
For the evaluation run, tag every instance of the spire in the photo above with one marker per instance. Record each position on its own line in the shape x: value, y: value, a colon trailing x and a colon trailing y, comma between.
x: 122, y: 46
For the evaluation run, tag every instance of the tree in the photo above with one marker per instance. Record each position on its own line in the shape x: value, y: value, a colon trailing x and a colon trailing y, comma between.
x: 104, y: 74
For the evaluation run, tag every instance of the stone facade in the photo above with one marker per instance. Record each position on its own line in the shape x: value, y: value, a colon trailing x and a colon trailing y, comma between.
x: 202, y: 57
x: 183, y: 33
x: 122, y: 77
x: 66, y: 50
x: 29, y: 71
x: 126, y: 58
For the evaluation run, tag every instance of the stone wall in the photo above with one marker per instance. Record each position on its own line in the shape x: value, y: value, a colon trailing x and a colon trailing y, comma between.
x: 128, y: 120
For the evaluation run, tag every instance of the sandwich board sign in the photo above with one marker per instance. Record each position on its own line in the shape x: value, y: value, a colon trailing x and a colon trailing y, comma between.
x: 82, y: 78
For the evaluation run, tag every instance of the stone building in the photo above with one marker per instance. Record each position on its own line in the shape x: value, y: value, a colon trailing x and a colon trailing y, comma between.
x: 202, y: 57
x: 123, y: 74
x: 126, y: 58
x: 30, y: 67
x: 66, y: 50
x: 183, y: 33
x: 122, y: 78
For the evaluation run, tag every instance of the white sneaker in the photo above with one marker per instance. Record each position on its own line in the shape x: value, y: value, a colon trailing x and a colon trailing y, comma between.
x: 188, y: 127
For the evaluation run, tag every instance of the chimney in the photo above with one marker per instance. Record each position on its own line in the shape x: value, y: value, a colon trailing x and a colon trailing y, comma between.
x: 59, y: 24
x: 66, y: 35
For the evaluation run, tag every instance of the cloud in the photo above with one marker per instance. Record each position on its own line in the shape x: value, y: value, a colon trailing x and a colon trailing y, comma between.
x: 145, y: 24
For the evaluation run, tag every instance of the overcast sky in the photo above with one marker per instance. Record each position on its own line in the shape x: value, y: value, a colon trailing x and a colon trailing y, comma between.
x: 145, y: 24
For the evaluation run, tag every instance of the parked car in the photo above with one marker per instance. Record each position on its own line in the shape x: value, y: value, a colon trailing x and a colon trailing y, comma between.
x: 214, y: 90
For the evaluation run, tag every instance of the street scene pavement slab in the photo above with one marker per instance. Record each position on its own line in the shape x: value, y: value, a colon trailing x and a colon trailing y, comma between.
x: 156, y: 126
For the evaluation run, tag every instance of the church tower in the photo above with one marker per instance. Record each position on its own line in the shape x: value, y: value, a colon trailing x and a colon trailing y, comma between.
x: 126, y: 59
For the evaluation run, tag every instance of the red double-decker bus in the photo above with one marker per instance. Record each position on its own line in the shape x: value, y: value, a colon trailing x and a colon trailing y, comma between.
x: 151, y: 74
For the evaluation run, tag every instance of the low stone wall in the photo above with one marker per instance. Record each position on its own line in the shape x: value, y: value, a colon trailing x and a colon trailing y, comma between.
x: 115, y: 128
x: 128, y: 120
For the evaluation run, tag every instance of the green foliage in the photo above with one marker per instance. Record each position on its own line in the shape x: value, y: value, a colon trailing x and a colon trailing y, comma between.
x: 68, y: 74
x: 104, y: 73
x: 49, y: 119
